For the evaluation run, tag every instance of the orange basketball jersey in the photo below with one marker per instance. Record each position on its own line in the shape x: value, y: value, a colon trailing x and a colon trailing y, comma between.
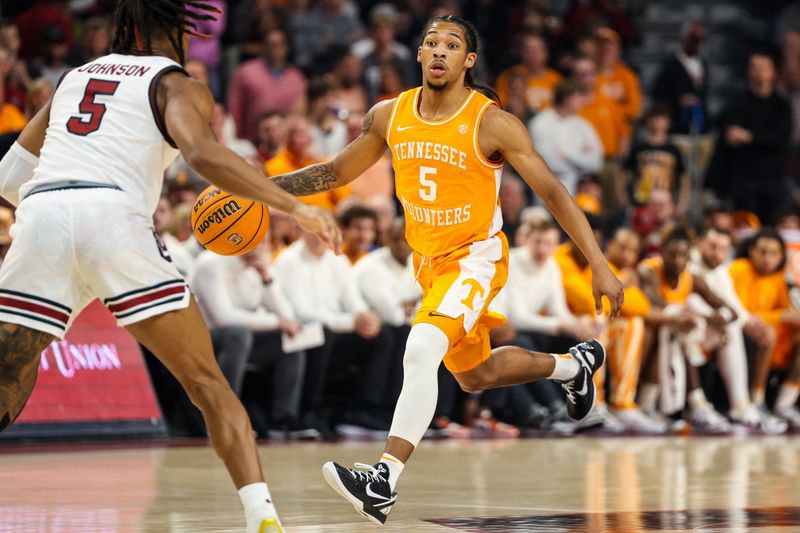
x: 671, y: 295
x: 449, y: 190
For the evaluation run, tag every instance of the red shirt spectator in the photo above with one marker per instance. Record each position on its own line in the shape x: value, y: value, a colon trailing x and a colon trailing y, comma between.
x: 33, y: 22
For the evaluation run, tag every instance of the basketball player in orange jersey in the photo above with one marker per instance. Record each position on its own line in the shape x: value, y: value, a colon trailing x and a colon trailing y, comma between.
x: 449, y: 143
x: 89, y: 170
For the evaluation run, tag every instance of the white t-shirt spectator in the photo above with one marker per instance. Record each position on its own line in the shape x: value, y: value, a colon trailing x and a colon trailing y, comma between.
x: 230, y: 293
x: 319, y: 289
x: 569, y: 145
x: 386, y: 285
x: 534, y: 294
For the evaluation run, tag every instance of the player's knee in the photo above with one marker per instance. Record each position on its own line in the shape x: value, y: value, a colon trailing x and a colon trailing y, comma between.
x: 476, y: 380
x: 425, y: 349
x: 208, y: 390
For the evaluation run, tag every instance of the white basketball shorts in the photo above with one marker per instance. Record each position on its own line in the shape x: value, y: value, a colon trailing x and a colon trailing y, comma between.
x: 72, y: 246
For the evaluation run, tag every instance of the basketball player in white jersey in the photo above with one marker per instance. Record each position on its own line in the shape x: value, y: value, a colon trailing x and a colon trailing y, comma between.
x: 87, y: 172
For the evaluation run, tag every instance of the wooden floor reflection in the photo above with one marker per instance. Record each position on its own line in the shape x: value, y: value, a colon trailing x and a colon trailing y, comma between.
x: 570, y: 485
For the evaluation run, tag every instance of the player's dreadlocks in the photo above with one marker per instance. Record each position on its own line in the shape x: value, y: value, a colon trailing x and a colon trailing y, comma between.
x: 471, y: 34
x: 137, y: 20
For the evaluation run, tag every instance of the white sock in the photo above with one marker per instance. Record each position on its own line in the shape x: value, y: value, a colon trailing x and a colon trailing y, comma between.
x: 566, y: 367
x: 697, y: 399
x: 758, y: 397
x: 648, y: 396
x: 395, y: 467
x: 425, y: 348
x: 257, y: 501
x: 787, y: 395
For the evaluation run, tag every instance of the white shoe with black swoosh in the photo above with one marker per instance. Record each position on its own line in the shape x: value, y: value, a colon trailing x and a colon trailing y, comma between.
x: 580, y: 390
x: 365, y: 487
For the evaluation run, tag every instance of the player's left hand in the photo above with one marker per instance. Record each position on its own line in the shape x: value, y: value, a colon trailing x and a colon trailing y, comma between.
x: 320, y: 222
x: 605, y: 283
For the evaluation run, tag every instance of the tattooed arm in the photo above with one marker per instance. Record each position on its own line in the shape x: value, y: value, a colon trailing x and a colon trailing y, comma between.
x: 350, y: 163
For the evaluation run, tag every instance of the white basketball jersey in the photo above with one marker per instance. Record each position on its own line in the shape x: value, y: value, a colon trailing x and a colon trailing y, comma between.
x: 105, y: 127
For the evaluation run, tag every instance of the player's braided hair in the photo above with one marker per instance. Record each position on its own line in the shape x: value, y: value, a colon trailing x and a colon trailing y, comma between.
x: 471, y: 34
x: 137, y: 21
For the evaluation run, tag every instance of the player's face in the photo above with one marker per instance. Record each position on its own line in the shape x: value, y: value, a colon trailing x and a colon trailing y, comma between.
x: 676, y: 257
x: 715, y: 248
x: 543, y: 244
x: 444, y: 56
x: 766, y: 255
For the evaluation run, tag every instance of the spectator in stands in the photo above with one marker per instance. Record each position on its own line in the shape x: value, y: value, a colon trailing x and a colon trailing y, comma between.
x: 385, y: 278
x: 654, y: 220
x: 331, y: 23
x: 39, y: 94
x: 540, y: 80
x: 348, y: 72
x: 566, y: 141
x: 207, y: 48
x: 595, y: 14
x: 359, y: 229
x: 11, y: 118
x: 536, y: 303
x: 755, y: 129
x: 51, y: 65
x: 35, y: 21
x: 14, y: 69
x: 268, y: 83
x: 615, y: 79
x: 517, y: 102
x: 328, y: 130
x: 271, y: 135
x: 668, y: 284
x: 381, y: 48
x: 656, y: 164
x: 386, y: 212
x: 321, y: 288
x: 709, y: 262
x: 171, y: 248
x: 95, y: 42
x: 298, y: 154
x: 247, y: 314
x: 760, y: 283
x: 608, y: 122
x: 512, y: 201
x: 682, y: 83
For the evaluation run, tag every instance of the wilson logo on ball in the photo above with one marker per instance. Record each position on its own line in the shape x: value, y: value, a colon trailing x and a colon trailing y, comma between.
x: 228, y: 224
x: 218, y: 216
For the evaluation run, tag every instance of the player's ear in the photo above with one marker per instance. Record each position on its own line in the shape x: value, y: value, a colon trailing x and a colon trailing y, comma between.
x: 419, y: 54
x: 471, y: 58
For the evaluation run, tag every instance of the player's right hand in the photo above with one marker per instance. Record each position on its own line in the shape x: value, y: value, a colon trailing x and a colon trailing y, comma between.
x: 320, y: 222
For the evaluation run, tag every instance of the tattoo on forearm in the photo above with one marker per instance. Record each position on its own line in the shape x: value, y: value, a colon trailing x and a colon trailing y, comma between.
x: 20, y: 350
x: 369, y: 118
x: 309, y: 180
x: 320, y: 177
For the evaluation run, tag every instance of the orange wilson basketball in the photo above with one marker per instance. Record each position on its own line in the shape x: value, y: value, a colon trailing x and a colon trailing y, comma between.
x: 228, y: 224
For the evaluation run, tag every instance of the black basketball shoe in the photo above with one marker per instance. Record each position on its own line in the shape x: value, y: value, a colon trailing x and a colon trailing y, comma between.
x: 580, y: 390
x: 365, y: 486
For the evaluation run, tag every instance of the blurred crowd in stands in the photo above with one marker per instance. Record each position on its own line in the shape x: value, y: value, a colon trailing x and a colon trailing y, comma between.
x: 697, y: 212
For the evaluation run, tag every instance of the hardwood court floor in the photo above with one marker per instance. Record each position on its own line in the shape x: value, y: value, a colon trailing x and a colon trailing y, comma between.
x: 580, y: 484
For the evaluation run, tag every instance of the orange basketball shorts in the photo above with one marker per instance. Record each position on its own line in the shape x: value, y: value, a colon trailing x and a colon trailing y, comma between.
x: 457, y: 289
